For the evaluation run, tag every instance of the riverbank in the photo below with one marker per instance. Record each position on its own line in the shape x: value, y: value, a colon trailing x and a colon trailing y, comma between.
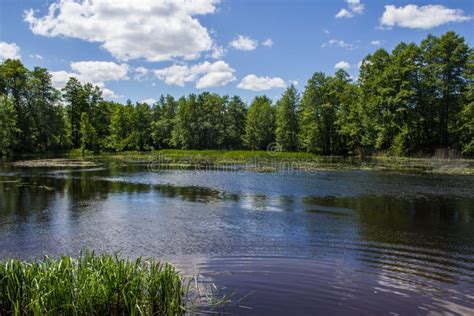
x: 91, y: 284
x: 259, y: 161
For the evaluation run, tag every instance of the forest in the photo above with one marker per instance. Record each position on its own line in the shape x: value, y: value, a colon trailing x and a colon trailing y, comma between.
x: 412, y: 101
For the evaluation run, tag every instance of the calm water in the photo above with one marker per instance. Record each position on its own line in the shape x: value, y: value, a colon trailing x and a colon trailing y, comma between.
x: 346, y: 242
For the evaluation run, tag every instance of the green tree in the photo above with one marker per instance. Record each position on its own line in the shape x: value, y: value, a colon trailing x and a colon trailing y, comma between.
x: 88, y: 134
x: 287, y: 119
x: 164, y: 114
x: 142, y: 126
x: 47, y: 129
x: 235, y: 115
x: 8, y: 129
x: 453, y: 54
x: 13, y: 78
x: 122, y: 126
x: 260, y: 124
x: 187, y: 129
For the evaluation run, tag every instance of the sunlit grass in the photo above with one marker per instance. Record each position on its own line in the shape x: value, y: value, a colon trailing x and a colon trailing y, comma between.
x: 92, y: 285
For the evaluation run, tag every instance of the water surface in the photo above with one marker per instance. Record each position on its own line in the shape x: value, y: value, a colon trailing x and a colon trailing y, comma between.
x: 346, y: 242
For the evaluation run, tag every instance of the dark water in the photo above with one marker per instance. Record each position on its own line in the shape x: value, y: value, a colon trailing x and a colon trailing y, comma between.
x: 331, y: 242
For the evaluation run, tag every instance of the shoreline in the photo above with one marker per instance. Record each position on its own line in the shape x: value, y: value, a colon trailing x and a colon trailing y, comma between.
x: 257, y: 161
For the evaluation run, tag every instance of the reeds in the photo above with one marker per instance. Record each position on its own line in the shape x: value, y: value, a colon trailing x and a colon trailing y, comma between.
x: 91, y: 285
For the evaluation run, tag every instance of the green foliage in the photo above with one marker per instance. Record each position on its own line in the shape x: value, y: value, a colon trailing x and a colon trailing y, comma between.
x: 88, y: 133
x: 414, y: 100
x: 8, y: 130
x: 234, y: 121
x: 260, y: 124
x: 163, y: 122
x: 287, y: 120
x: 90, y: 285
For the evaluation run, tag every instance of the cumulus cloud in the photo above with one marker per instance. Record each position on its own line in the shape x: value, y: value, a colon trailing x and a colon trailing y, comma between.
x: 342, y: 65
x: 242, y: 42
x: 423, y: 17
x: 140, y: 73
x: 9, y: 51
x: 109, y: 94
x: 154, y: 30
x: 268, y: 42
x: 149, y: 101
x: 99, y: 71
x: 354, y: 7
x: 376, y: 42
x: 217, y: 52
x: 339, y: 43
x: 205, y: 74
x: 95, y: 72
x: 252, y: 82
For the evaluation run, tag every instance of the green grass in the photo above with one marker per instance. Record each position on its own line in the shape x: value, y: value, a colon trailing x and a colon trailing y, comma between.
x: 91, y: 285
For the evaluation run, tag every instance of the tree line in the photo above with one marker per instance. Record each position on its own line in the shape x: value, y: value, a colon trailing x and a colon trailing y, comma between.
x: 412, y: 101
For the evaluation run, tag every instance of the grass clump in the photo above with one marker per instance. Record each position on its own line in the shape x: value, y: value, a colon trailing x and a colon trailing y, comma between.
x: 91, y: 285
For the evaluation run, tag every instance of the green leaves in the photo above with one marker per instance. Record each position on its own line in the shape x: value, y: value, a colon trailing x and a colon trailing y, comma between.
x: 91, y: 284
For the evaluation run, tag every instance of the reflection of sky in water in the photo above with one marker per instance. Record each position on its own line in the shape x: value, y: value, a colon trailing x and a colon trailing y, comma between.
x: 395, y: 234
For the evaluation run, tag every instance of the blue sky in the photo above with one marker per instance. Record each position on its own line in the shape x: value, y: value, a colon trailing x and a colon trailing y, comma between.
x: 142, y: 49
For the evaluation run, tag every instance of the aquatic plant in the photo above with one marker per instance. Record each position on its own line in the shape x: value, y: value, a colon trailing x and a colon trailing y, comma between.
x: 91, y: 284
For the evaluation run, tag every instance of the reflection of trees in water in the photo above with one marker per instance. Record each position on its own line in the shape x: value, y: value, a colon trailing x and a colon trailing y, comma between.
x: 30, y: 197
x: 429, y: 237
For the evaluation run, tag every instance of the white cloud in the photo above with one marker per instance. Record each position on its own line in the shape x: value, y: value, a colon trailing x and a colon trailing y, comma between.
x: 252, y: 82
x: 95, y: 72
x: 205, y: 74
x: 326, y: 31
x: 217, y: 52
x: 174, y: 75
x: 60, y: 78
x: 339, y: 43
x: 268, y: 42
x: 354, y: 7
x: 342, y: 65
x: 154, y: 30
x: 140, y: 73
x: 37, y: 56
x: 423, y: 17
x: 149, y: 101
x: 294, y: 82
x: 9, y: 51
x: 376, y: 42
x: 109, y: 94
x: 99, y: 71
x: 242, y: 42
x: 344, y: 13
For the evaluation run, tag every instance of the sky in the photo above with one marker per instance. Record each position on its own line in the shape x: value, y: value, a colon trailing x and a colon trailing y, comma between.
x: 139, y: 50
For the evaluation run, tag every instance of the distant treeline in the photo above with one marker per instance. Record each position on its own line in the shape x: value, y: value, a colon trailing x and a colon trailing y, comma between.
x: 411, y: 101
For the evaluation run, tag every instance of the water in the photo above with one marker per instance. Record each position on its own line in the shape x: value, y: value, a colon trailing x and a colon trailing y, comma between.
x: 346, y: 242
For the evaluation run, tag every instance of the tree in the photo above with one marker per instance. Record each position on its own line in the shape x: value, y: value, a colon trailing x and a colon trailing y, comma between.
x: 88, y: 134
x: 164, y: 120
x: 287, y: 120
x: 8, y: 129
x: 466, y: 116
x: 142, y: 126
x: 453, y: 54
x: 187, y: 129
x: 80, y: 98
x: 310, y: 136
x: 13, y: 78
x: 373, y: 101
x: 260, y: 124
x: 122, y: 127
x: 47, y: 130
x: 234, y: 117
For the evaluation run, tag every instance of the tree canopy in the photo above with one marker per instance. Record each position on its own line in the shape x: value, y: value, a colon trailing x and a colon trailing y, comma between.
x: 413, y: 100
